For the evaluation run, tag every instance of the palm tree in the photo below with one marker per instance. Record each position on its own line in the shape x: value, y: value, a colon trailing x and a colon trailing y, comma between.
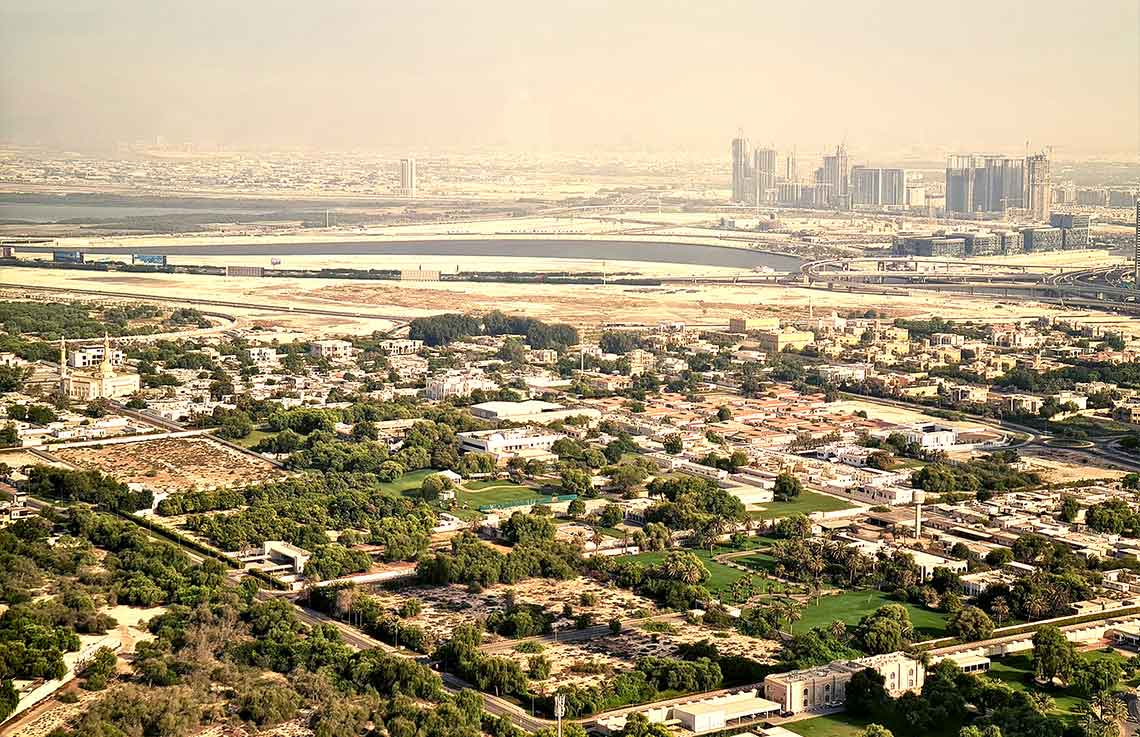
x: 1112, y: 712
x: 1042, y: 701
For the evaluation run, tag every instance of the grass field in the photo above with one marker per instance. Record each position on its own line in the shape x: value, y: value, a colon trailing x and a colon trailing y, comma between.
x: 805, y: 503
x: 851, y: 606
x: 408, y: 484
x: 720, y: 576
x: 475, y: 494
x: 833, y: 725
x: 471, y: 493
x: 1016, y: 671
x: 254, y: 438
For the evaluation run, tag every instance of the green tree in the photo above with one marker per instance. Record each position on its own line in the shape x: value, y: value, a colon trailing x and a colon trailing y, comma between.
x: 970, y: 624
x: 99, y: 669
x: 1093, y: 677
x: 1069, y: 508
x: 787, y: 487
x: 1053, y: 655
x: 673, y: 444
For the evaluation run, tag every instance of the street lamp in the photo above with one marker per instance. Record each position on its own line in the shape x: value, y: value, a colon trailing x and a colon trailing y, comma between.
x: 559, y: 710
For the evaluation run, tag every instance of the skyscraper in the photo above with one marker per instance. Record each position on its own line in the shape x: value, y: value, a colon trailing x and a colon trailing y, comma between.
x: 1136, y: 250
x: 866, y: 186
x: 408, y: 177
x: 872, y: 187
x: 741, y: 171
x: 791, y: 169
x: 984, y: 183
x: 960, y: 184
x: 835, y: 176
x: 1038, y: 186
x: 764, y: 175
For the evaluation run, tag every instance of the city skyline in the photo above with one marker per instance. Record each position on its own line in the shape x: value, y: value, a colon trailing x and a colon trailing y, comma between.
x: 891, y: 76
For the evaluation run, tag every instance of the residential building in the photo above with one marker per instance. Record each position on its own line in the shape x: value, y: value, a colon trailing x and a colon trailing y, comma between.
x: 741, y: 171
x: 458, y: 384
x: 401, y: 347
x: 640, y: 361
x: 261, y: 355
x: 331, y: 350
x: 91, y: 356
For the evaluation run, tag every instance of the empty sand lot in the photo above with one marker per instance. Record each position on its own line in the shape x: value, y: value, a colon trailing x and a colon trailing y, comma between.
x: 172, y: 465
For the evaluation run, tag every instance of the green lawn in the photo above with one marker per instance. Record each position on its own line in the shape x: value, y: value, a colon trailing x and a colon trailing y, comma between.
x: 851, y: 606
x: 1016, y: 671
x: 407, y: 484
x: 720, y: 576
x: 475, y: 494
x: 254, y: 438
x: 806, y: 503
x: 833, y: 725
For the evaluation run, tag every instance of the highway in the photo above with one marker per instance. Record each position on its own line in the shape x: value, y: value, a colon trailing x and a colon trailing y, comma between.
x: 1104, y: 448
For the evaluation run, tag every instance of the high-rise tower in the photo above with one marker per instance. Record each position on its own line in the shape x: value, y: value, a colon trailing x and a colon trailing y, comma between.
x: 408, y: 177
x: 764, y: 174
x: 1038, y: 186
x: 1136, y: 251
x: 741, y: 170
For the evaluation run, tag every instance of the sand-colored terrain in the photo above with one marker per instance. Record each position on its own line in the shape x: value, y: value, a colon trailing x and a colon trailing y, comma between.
x: 172, y: 464
x: 380, y: 302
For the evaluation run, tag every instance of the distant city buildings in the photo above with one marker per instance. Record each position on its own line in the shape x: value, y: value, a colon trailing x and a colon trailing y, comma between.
x: 741, y: 170
x: 873, y: 187
x: 834, y: 176
x: 408, y: 177
x: 1038, y: 186
x: 984, y: 184
x: 998, y: 184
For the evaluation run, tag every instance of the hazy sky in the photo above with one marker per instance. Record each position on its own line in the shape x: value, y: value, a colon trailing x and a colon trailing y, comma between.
x: 442, y: 74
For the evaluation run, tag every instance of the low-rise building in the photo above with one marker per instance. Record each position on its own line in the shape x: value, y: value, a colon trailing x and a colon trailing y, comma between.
x: 640, y: 361
x: 775, y: 341
x: 401, y: 347
x: 531, y: 411
x: 261, y: 354
x: 458, y: 384
x: 747, y: 324
x: 331, y: 350
x: 525, y: 442
x: 825, y: 687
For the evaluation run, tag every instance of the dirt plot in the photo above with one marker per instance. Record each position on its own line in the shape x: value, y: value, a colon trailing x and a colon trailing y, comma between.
x: 592, y: 662
x: 446, y: 607
x: 1060, y: 465
x: 173, y: 464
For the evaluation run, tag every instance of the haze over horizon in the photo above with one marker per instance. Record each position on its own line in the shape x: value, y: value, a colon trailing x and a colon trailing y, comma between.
x: 889, y: 77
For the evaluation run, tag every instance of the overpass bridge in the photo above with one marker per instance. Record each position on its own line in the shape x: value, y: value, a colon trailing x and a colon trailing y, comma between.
x: 1107, y: 288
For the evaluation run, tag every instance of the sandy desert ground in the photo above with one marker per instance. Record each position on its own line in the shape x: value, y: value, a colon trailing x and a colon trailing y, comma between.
x: 380, y: 302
